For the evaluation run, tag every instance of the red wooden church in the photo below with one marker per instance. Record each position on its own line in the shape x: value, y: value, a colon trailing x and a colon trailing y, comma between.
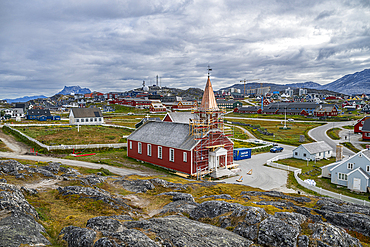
x: 197, y: 147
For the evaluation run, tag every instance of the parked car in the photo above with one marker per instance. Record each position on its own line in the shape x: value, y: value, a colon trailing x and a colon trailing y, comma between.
x: 290, y: 120
x: 276, y: 149
x: 130, y: 113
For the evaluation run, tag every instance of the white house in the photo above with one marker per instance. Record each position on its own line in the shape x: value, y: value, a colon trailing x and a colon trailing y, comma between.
x: 313, y: 151
x: 353, y: 172
x: 86, y: 116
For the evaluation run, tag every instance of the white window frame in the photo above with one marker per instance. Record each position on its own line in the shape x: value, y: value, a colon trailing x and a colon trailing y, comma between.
x: 149, y: 149
x: 185, y: 157
x: 171, y: 155
x: 367, y: 168
x: 342, y: 176
x: 159, y: 152
x: 130, y: 144
x: 350, y: 166
x: 139, y: 148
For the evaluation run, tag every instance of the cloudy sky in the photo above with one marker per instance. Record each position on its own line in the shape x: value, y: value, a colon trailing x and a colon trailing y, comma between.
x: 114, y: 45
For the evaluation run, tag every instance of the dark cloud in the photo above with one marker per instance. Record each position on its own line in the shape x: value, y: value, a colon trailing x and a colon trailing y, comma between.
x: 115, y: 45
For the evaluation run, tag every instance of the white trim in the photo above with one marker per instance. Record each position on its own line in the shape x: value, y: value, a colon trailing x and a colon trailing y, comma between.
x: 139, y: 148
x: 358, y: 169
x: 171, y: 155
x: 149, y: 149
x: 350, y: 166
x: 160, y: 152
x: 130, y: 144
x: 367, y: 168
x: 185, y: 156
x: 345, y: 176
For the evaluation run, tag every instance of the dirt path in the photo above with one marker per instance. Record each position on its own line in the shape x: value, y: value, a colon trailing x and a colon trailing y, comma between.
x: 15, y: 146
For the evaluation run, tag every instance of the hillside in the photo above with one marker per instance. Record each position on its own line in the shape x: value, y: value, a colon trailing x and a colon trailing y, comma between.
x: 357, y: 83
x: 52, y: 204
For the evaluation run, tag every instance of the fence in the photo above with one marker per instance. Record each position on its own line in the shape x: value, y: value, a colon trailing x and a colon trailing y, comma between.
x: 318, y: 190
x: 64, y: 147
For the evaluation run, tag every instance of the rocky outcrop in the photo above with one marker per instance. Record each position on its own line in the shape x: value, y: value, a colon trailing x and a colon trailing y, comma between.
x: 19, y: 228
x: 181, y: 231
x: 347, y: 215
x: 78, y: 237
x: 178, y: 196
x: 211, y: 209
x: 137, y: 186
x: 17, y: 219
x: 95, y: 194
x: 276, y: 194
x: 222, y: 196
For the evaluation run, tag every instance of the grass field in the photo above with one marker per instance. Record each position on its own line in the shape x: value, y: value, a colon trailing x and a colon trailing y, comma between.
x: 334, y: 133
x: 3, y: 147
x: 313, y: 171
x: 287, y: 136
x: 69, y: 135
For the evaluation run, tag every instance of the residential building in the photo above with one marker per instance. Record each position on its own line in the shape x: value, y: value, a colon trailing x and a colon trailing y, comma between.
x: 353, y: 172
x: 313, y: 151
x: 366, y: 130
x: 86, y: 116
x: 229, y: 104
x: 360, y: 123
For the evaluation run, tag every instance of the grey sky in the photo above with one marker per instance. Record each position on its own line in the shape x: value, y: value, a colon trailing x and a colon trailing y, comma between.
x: 114, y: 45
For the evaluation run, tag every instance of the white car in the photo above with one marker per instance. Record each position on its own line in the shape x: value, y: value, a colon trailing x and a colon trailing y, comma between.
x: 290, y: 120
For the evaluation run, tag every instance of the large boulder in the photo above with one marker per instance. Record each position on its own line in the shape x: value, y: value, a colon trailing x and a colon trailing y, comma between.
x: 276, y: 232
x: 181, y: 231
x: 136, y: 186
x: 78, y: 237
x: 11, y: 198
x: 95, y: 194
x: 177, y: 196
x: 211, y: 209
x: 20, y: 228
x: 104, y: 223
x: 332, y: 236
x: 131, y: 237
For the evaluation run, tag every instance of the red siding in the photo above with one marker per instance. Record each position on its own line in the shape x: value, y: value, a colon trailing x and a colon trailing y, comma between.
x: 359, y: 124
x: 167, y: 119
x: 178, y: 164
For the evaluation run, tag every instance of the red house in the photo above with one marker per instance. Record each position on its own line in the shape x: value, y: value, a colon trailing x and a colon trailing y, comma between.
x: 325, y: 111
x: 360, y: 123
x: 156, y: 107
x: 199, y: 146
x: 366, y: 130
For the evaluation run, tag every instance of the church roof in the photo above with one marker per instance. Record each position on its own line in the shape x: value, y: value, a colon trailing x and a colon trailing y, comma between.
x: 208, y: 101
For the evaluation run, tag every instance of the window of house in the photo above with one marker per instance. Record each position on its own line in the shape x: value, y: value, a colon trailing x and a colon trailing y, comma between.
x: 94, y: 119
x: 82, y: 120
x: 368, y: 134
x: 159, y: 152
x: 149, y: 150
x: 367, y: 168
x: 87, y: 120
x: 350, y: 166
x: 172, y: 155
x: 77, y: 120
x: 91, y: 120
x: 130, y: 145
x: 296, y: 153
x: 304, y: 155
x: 139, y: 147
x: 185, y: 157
x: 342, y: 176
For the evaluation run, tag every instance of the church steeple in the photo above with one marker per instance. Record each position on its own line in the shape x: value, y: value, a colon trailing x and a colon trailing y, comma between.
x: 208, y: 101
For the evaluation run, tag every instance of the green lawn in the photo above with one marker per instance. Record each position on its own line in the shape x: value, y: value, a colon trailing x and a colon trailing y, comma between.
x: 69, y: 135
x: 313, y: 171
x: 334, y: 133
x: 289, y: 136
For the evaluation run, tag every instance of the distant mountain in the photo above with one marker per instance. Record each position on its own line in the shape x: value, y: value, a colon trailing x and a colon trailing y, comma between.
x: 25, y: 98
x: 309, y: 84
x: 74, y: 90
x: 357, y: 83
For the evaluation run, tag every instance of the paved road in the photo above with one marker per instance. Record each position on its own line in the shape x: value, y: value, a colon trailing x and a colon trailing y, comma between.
x: 116, y: 170
x: 263, y: 177
x: 319, y: 134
